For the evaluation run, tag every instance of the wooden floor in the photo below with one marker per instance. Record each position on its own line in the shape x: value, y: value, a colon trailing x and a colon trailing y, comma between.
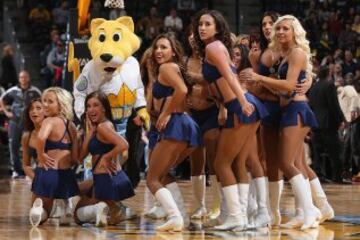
x: 14, y: 224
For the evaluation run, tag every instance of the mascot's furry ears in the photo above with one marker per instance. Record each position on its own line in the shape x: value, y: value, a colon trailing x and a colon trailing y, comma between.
x: 126, y: 21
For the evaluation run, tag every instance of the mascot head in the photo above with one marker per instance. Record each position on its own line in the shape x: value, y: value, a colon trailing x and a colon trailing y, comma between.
x: 112, y: 42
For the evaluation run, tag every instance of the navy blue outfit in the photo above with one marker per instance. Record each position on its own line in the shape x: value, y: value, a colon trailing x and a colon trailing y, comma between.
x: 108, y: 187
x: 181, y: 127
x: 55, y: 183
x: 207, y: 119
x: 153, y: 136
x: 273, y: 107
x: 290, y: 112
x: 211, y: 74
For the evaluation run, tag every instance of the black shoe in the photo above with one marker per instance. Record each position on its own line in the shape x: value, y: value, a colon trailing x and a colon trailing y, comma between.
x: 343, y: 181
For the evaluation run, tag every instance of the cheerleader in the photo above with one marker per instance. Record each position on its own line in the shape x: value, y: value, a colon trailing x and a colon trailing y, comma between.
x: 297, y: 117
x: 110, y: 183
x: 56, y: 150
x: 206, y: 114
x: 212, y: 37
x: 178, y: 133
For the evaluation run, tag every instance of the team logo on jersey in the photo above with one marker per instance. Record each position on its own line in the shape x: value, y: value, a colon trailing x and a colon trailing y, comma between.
x: 82, y: 84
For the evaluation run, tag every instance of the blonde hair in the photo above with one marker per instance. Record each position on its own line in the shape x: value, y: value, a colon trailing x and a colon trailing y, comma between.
x: 300, y: 39
x: 65, y: 101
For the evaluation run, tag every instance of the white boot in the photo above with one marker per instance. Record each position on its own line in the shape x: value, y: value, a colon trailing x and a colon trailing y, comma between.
x: 66, y: 215
x: 199, y: 186
x: 155, y: 211
x: 37, y: 213
x: 302, y: 191
x: 275, y: 191
x: 252, y: 204
x: 57, y: 208
x: 176, y: 193
x: 175, y: 221
x: 211, y: 222
x: 321, y: 201
x: 96, y: 213
x: 216, y: 194
x: 102, y: 211
x: 298, y: 219
x: 262, y: 217
x: 235, y: 217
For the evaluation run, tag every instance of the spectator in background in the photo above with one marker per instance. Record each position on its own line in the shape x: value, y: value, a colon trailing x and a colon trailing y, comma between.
x: 13, y: 102
x: 55, y: 62
x: 356, y: 25
x: 8, y: 75
x: 335, y: 23
x: 347, y: 37
x: 350, y: 105
x: 115, y: 13
x: 61, y: 15
x: 324, y: 102
x: 149, y: 27
x: 337, y: 72
x: 326, y: 41
x: 349, y: 65
x: 173, y: 22
x: 40, y: 15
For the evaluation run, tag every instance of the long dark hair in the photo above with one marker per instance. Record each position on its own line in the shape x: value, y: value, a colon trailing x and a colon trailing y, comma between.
x: 104, y: 102
x: 263, y: 41
x: 28, y: 124
x: 178, y: 57
x: 222, y: 31
x: 244, y: 62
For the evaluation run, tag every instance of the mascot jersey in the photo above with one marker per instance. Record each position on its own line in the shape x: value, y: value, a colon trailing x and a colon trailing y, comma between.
x: 123, y: 88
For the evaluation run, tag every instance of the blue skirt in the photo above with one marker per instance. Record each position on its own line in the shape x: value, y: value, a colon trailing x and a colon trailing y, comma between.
x: 182, y: 127
x: 153, y: 136
x: 290, y: 114
x: 234, y: 108
x: 274, y: 117
x: 206, y: 119
x: 55, y: 183
x: 112, y: 187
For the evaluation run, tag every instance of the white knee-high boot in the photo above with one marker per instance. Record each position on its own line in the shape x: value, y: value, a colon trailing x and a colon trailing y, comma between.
x: 262, y: 217
x: 236, y: 211
x: 275, y: 191
x: 302, y: 191
x: 199, y: 186
x: 216, y: 194
x: 156, y: 211
x: 252, y: 204
x: 321, y: 201
x: 177, y: 195
x: 37, y: 213
x: 174, y: 221
x: 298, y: 219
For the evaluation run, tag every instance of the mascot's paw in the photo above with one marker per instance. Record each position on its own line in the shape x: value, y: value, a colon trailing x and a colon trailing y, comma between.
x: 145, y: 117
x: 73, y: 63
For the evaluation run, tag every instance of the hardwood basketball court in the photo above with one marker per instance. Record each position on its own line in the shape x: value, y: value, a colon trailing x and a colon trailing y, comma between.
x: 14, y: 223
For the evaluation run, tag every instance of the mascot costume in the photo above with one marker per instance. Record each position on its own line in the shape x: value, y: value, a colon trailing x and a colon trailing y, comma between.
x: 112, y: 70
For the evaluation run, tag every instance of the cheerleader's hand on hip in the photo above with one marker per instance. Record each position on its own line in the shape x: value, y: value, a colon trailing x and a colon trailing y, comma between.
x: 109, y: 165
x: 47, y: 161
x: 162, y: 121
x: 247, y: 108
